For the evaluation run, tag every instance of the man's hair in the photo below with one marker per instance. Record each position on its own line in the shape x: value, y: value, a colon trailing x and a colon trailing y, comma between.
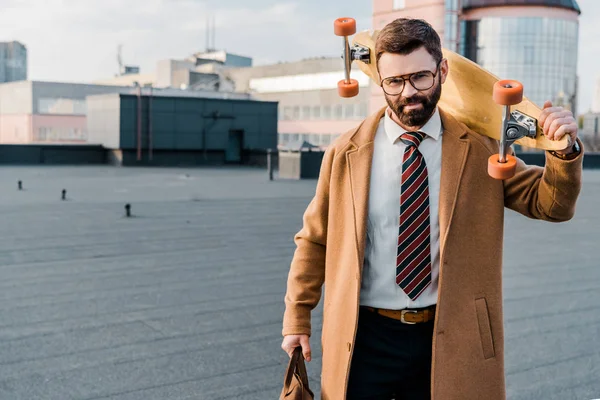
x: 405, y: 35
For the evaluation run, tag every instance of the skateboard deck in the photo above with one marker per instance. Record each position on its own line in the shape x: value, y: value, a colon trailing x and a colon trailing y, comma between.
x: 467, y: 95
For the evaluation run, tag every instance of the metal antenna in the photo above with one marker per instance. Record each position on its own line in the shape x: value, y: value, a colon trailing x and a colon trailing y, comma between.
x: 207, y: 33
x: 120, y: 58
x: 214, y: 35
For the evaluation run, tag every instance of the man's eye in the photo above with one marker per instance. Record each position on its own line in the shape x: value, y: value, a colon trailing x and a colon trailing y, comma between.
x: 395, y: 81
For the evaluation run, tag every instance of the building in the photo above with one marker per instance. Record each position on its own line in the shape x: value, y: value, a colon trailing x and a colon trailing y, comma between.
x: 310, y: 108
x: 590, y: 132
x: 533, y: 41
x: 13, y: 62
x: 596, y: 100
x: 53, y: 112
x: 181, y: 130
x: 200, y: 71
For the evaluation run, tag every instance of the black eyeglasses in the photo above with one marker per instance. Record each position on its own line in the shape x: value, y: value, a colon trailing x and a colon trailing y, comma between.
x: 422, y: 80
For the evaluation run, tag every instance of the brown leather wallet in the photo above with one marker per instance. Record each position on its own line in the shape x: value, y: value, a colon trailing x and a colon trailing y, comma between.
x: 406, y: 316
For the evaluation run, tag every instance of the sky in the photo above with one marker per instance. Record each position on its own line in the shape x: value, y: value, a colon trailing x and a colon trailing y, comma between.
x: 77, y: 40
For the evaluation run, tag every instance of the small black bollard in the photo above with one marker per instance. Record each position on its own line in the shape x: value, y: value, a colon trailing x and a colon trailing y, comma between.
x: 270, y: 163
x: 64, y: 194
x: 128, y: 210
x: 20, y: 185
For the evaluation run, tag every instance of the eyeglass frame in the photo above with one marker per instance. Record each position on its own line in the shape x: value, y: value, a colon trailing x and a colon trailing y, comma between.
x: 437, y: 67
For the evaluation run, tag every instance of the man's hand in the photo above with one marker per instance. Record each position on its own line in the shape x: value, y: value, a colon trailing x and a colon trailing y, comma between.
x: 558, y: 122
x: 290, y: 342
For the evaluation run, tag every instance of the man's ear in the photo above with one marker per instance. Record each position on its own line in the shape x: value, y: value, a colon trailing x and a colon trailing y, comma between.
x: 444, y: 70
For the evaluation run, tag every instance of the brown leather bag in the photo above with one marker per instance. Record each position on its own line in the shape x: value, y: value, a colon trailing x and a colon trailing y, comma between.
x: 295, y: 385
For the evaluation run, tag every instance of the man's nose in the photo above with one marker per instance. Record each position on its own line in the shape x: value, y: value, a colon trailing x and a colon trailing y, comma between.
x: 408, y: 90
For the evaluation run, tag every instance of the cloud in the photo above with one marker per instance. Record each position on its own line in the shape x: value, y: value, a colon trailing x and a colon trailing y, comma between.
x: 75, y: 40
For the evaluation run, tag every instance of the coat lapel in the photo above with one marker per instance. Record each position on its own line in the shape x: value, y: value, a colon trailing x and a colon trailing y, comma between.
x: 359, y: 168
x: 359, y: 159
x: 455, y: 148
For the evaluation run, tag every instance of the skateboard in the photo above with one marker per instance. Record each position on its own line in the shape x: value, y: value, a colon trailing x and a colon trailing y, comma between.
x: 474, y: 96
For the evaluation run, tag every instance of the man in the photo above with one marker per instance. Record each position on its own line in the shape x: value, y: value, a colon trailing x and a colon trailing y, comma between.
x: 407, y: 226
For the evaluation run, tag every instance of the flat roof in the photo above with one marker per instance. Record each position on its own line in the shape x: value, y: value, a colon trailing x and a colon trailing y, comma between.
x: 186, y: 297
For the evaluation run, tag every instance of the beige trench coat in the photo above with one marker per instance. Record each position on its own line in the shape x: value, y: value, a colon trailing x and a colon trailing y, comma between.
x: 468, y: 342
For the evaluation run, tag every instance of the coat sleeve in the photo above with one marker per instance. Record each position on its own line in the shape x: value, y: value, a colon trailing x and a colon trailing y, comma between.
x: 307, y: 270
x: 548, y: 193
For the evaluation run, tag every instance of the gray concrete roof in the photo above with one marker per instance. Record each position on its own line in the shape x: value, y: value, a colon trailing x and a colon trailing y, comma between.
x: 184, y: 300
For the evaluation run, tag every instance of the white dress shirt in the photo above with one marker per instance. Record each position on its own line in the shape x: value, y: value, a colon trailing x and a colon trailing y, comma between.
x: 379, y: 288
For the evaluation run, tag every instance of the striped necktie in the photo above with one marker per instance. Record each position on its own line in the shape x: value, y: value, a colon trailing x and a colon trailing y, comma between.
x: 413, y: 262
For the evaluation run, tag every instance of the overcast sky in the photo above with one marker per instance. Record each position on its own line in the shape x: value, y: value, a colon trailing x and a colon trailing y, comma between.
x: 76, y: 40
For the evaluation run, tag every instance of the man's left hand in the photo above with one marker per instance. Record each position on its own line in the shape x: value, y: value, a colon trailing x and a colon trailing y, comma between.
x: 557, y: 122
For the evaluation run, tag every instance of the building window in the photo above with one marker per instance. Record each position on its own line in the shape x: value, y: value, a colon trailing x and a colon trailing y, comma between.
x: 287, y: 113
x: 61, y: 106
x: 305, y: 112
x: 399, y: 4
x: 325, y: 139
x: 315, y: 139
x: 529, y: 55
x: 296, y: 114
x: 362, y: 110
x: 316, y: 112
x: 327, y: 112
x: 337, y: 114
x: 349, y: 111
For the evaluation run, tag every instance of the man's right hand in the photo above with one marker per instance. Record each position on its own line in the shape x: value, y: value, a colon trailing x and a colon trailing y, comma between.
x: 290, y: 342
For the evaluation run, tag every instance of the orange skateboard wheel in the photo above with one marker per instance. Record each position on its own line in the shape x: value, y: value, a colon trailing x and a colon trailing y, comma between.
x: 346, y: 89
x: 508, y: 92
x: 344, y: 26
x: 498, y: 170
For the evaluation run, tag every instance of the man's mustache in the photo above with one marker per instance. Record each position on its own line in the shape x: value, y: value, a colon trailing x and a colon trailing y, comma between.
x: 412, y: 100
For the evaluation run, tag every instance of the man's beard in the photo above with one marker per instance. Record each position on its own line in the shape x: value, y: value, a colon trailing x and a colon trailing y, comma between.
x: 419, y: 117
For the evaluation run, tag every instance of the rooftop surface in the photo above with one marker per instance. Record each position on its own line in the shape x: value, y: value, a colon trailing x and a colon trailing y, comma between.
x: 184, y: 300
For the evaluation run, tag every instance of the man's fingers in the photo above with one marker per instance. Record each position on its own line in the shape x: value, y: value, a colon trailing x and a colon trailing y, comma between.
x: 566, y: 129
x: 548, y: 112
x: 547, y: 104
x: 288, y: 347
x: 552, y: 118
x: 304, y: 342
x: 556, y: 124
x: 291, y: 342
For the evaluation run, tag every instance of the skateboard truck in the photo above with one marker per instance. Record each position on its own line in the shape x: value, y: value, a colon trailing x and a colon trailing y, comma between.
x: 515, y: 125
x: 346, y: 27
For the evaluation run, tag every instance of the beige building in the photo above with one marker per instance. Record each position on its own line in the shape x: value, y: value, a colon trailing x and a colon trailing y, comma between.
x: 310, y: 108
x: 200, y: 71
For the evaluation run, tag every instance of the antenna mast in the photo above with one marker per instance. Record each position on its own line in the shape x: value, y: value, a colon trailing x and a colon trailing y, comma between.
x: 120, y: 58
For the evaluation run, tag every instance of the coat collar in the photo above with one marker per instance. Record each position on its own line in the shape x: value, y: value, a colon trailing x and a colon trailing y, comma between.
x: 455, y: 147
x: 393, y: 131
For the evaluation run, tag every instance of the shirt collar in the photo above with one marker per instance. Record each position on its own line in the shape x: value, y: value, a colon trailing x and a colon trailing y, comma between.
x: 433, y: 127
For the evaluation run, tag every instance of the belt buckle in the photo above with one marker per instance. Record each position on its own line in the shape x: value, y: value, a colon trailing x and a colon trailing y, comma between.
x: 403, y: 312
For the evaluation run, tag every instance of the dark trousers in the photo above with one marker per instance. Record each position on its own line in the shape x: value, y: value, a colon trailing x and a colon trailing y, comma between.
x: 391, y: 360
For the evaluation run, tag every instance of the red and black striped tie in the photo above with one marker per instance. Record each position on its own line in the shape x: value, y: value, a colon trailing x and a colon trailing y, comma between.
x: 413, y: 263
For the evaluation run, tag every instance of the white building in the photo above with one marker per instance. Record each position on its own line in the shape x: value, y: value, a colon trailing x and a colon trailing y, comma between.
x: 596, y: 101
x: 200, y: 71
x: 310, y: 108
